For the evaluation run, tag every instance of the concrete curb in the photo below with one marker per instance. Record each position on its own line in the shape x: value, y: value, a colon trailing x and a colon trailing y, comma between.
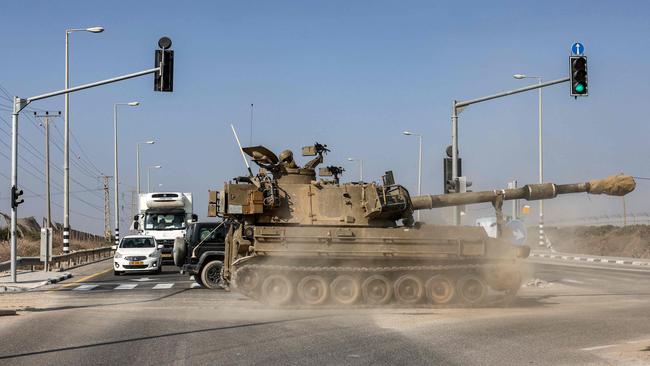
x: 591, y: 259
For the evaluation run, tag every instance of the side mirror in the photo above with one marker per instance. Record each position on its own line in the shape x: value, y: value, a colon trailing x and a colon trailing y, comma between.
x: 114, y: 247
x: 160, y: 246
x: 195, y: 218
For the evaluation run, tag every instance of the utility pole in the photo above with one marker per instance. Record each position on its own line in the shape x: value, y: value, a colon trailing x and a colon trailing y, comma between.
x: 107, y: 208
x: 46, y: 125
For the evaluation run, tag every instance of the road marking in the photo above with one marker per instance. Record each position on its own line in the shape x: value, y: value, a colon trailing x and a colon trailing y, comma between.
x: 163, y: 286
x: 126, y: 286
x: 85, y: 278
x: 85, y: 287
x: 195, y: 285
x: 571, y: 281
x: 598, y: 347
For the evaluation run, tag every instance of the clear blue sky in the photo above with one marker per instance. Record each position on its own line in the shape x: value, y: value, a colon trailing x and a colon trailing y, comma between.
x: 349, y: 74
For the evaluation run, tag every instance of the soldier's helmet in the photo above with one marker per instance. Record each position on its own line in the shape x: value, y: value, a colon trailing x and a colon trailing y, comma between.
x: 286, y: 156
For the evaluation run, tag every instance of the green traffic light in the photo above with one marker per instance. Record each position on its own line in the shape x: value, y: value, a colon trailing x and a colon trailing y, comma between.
x: 580, y: 88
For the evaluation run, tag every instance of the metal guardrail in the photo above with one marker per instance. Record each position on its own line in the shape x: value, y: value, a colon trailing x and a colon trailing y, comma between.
x: 64, y: 260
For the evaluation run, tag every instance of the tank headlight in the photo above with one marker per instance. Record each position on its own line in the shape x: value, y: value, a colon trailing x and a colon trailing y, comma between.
x: 118, y: 255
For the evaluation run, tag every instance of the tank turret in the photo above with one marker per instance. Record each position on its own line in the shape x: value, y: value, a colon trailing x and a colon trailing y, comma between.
x: 296, y: 238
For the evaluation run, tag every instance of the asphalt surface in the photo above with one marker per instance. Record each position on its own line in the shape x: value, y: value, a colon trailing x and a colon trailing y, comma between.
x: 570, y: 315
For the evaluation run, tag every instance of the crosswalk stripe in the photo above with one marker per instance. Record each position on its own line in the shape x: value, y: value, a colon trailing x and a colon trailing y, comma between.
x: 85, y: 287
x: 162, y: 286
x: 195, y: 285
x: 126, y: 286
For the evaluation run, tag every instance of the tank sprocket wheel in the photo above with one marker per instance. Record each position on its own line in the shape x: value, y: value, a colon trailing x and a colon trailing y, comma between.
x: 408, y: 289
x: 472, y: 289
x: 247, y: 280
x: 440, y: 289
x: 345, y: 290
x: 313, y: 290
x: 277, y: 289
x: 377, y: 290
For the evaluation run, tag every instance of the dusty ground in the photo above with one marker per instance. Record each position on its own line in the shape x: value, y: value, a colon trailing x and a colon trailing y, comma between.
x: 629, y: 241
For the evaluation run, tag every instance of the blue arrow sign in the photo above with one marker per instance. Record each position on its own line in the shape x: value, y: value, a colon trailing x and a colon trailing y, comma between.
x: 578, y: 49
x: 519, y: 232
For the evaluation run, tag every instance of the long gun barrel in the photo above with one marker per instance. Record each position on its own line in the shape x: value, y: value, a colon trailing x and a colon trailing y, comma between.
x: 615, y: 185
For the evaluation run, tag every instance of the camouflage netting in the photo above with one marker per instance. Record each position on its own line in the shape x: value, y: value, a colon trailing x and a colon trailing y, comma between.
x: 614, y: 185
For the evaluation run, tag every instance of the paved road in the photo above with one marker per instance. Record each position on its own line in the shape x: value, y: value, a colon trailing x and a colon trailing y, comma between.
x: 577, y: 316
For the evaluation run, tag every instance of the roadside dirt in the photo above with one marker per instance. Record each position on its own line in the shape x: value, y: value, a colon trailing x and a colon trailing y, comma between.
x: 629, y: 241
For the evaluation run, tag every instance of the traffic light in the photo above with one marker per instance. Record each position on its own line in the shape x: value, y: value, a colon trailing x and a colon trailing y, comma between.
x: 579, y: 85
x: 449, y: 184
x: 15, y: 197
x: 164, y: 79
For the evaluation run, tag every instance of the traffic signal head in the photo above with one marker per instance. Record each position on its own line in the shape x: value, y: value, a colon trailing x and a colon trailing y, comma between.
x: 15, y: 197
x: 164, y: 79
x: 579, y: 86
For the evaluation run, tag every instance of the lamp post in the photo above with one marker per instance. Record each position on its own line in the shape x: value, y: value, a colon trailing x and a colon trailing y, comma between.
x: 407, y: 133
x: 541, y: 152
x: 360, y: 167
x: 149, y: 176
x: 116, y: 177
x: 66, y: 138
x: 151, y: 142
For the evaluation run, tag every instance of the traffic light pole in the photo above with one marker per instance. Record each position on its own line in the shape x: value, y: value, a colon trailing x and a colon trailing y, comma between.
x: 457, y: 107
x: 18, y: 105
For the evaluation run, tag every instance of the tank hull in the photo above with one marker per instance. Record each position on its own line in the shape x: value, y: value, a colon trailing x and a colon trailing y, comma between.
x: 317, y: 266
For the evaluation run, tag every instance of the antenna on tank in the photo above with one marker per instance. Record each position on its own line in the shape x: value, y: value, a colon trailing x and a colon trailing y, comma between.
x: 250, y: 172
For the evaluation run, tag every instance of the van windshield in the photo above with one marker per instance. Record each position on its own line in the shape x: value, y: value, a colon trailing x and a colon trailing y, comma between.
x: 163, y: 221
x: 137, y: 243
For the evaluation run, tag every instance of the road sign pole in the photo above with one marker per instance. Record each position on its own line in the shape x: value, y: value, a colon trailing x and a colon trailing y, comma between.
x: 457, y: 106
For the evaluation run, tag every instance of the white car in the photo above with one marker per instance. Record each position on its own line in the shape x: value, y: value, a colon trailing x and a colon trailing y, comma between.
x: 137, y: 253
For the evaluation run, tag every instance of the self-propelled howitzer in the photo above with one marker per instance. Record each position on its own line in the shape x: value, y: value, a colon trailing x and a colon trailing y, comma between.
x: 294, y: 238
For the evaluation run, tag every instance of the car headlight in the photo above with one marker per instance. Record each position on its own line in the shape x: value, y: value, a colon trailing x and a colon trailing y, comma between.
x: 153, y: 254
x: 118, y: 255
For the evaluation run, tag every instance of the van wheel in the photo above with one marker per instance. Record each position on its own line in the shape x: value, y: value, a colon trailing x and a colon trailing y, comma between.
x: 211, y: 274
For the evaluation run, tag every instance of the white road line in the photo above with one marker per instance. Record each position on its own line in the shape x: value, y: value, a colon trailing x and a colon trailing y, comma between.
x: 571, y: 281
x: 195, y: 285
x: 126, y: 286
x: 163, y: 286
x: 598, y: 347
x: 84, y: 287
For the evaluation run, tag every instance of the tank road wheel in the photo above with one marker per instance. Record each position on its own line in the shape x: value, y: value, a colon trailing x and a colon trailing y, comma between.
x: 313, y: 290
x: 472, y: 289
x: 408, y: 289
x: 247, y: 280
x: 277, y: 289
x: 377, y: 290
x: 346, y: 290
x: 440, y: 289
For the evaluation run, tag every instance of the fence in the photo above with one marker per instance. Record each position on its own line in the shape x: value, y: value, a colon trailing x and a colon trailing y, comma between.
x: 63, y: 261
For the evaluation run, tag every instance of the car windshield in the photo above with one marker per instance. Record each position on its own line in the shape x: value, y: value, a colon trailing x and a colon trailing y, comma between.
x: 163, y: 221
x: 137, y: 243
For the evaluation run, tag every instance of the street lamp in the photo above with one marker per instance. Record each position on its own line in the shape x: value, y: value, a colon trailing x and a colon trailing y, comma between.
x: 360, y: 167
x: 407, y: 133
x: 66, y: 138
x: 115, y: 170
x: 149, y: 176
x: 151, y: 142
x: 541, y: 151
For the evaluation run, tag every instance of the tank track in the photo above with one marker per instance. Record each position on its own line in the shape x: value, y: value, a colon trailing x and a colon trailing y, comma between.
x: 468, y: 286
